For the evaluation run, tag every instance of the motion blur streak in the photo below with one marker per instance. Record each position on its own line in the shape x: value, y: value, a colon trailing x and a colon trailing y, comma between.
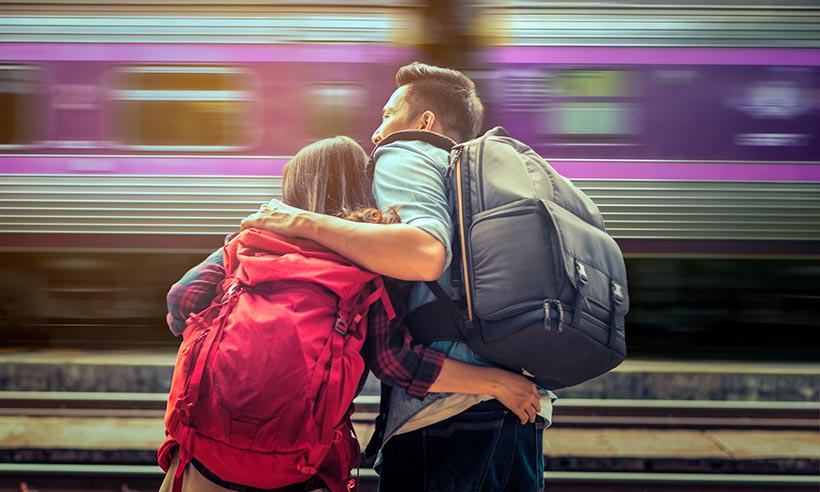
x: 134, y: 136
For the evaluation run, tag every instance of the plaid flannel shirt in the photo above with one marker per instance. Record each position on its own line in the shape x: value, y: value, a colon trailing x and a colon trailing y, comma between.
x: 389, y: 349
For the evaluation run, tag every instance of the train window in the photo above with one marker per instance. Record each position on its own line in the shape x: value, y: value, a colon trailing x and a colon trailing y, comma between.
x: 594, y: 118
x: 22, y: 105
x: 593, y: 107
x: 335, y: 109
x: 594, y: 83
x: 183, y: 108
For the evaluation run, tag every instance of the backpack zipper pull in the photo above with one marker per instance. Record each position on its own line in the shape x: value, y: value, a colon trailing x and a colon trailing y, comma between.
x: 456, y: 155
x: 559, y: 309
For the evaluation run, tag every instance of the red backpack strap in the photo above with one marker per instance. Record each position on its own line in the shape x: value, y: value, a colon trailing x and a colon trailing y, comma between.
x: 332, y: 354
x: 379, y: 293
x: 190, y: 398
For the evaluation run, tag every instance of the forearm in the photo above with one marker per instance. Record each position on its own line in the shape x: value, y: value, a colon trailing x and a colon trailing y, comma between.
x: 460, y: 377
x: 397, y: 250
x: 514, y: 391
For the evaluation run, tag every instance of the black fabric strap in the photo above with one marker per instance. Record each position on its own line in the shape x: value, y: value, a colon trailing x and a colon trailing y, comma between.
x: 441, y: 319
x: 376, y: 439
x: 430, y: 323
x: 441, y: 141
x: 313, y: 483
x: 453, y: 312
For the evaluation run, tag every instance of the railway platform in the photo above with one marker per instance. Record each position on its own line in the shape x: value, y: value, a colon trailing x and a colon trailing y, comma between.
x: 648, y: 425
x: 147, y: 371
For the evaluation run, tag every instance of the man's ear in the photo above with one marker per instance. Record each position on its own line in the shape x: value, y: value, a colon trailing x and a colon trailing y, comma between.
x: 427, y: 120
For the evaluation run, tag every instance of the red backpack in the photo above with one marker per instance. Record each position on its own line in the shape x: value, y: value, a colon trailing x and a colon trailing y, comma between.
x: 265, y: 378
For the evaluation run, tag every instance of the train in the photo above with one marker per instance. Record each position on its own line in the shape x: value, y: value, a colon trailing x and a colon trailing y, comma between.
x: 135, y: 136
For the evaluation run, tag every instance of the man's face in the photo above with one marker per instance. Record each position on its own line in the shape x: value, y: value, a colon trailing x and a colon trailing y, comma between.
x: 395, y: 116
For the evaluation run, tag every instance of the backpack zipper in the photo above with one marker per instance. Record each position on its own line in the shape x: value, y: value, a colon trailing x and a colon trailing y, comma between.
x: 480, y: 171
x: 462, y: 234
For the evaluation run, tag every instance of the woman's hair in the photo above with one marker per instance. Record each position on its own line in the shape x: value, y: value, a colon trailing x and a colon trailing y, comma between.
x: 330, y: 177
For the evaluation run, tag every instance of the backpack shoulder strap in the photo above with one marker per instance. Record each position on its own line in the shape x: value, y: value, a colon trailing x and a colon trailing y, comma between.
x: 498, y: 131
x: 441, y: 141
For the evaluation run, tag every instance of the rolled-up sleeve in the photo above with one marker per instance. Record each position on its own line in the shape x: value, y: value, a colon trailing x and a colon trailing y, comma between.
x: 414, y: 181
x: 395, y: 359
x: 194, y: 291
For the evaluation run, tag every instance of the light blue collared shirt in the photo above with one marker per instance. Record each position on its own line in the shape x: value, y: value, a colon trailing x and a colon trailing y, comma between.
x: 412, y: 175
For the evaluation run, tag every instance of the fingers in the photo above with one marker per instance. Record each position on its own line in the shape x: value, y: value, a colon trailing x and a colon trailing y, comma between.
x: 257, y: 218
x: 522, y: 415
x: 252, y: 220
x: 520, y: 396
x: 527, y: 413
x: 526, y: 408
x: 532, y: 406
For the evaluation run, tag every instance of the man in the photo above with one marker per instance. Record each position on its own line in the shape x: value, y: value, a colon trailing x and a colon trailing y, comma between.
x: 459, y: 436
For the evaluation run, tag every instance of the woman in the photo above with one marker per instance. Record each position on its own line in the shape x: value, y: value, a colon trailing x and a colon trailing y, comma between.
x: 327, y: 177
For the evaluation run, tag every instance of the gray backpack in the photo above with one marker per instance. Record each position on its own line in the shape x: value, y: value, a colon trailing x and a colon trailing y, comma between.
x: 544, y: 289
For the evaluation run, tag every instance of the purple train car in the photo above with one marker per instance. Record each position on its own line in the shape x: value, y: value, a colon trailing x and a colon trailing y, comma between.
x: 134, y: 137
x: 683, y: 123
x: 130, y: 144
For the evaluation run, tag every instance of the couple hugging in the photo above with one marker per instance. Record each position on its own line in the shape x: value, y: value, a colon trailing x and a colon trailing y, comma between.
x: 452, y: 421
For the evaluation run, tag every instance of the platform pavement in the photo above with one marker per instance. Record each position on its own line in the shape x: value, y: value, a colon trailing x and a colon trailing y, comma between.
x: 132, y: 440
x: 151, y: 372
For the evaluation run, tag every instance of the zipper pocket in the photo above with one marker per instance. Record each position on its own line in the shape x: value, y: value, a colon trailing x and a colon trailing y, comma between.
x: 514, y: 310
x: 531, y: 271
x: 565, y: 314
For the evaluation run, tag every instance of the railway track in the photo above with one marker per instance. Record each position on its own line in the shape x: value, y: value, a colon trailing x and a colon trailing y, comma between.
x: 568, y: 413
x: 71, y: 469
x: 125, y: 478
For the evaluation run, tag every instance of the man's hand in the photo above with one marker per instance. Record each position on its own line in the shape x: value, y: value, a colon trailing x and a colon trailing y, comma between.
x: 277, y: 217
x: 398, y: 250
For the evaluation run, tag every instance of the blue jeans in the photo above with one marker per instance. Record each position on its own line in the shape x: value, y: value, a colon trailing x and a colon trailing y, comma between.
x: 484, y: 448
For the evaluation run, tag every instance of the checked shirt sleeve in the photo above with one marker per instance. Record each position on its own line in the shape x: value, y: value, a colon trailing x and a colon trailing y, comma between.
x: 395, y: 359
x: 194, y: 291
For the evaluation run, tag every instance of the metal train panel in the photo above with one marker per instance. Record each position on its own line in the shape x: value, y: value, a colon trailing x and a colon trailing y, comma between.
x: 175, y: 205
x: 729, y: 23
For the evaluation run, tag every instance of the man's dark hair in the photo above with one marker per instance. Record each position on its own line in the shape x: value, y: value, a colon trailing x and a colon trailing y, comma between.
x: 448, y: 93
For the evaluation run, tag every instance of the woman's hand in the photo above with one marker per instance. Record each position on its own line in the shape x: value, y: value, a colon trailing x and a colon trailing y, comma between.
x: 514, y: 391
x: 517, y: 393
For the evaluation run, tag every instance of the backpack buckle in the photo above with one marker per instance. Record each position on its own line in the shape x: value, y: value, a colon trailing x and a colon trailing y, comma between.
x: 230, y: 295
x: 582, y: 273
x: 340, y: 326
x: 617, y: 292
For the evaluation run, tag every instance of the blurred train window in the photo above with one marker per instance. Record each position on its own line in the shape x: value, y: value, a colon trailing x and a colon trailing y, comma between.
x: 593, y: 107
x: 335, y: 108
x: 594, y: 118
x: 183, y: 108
x: 22, y: 105
x: 594, y: 83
